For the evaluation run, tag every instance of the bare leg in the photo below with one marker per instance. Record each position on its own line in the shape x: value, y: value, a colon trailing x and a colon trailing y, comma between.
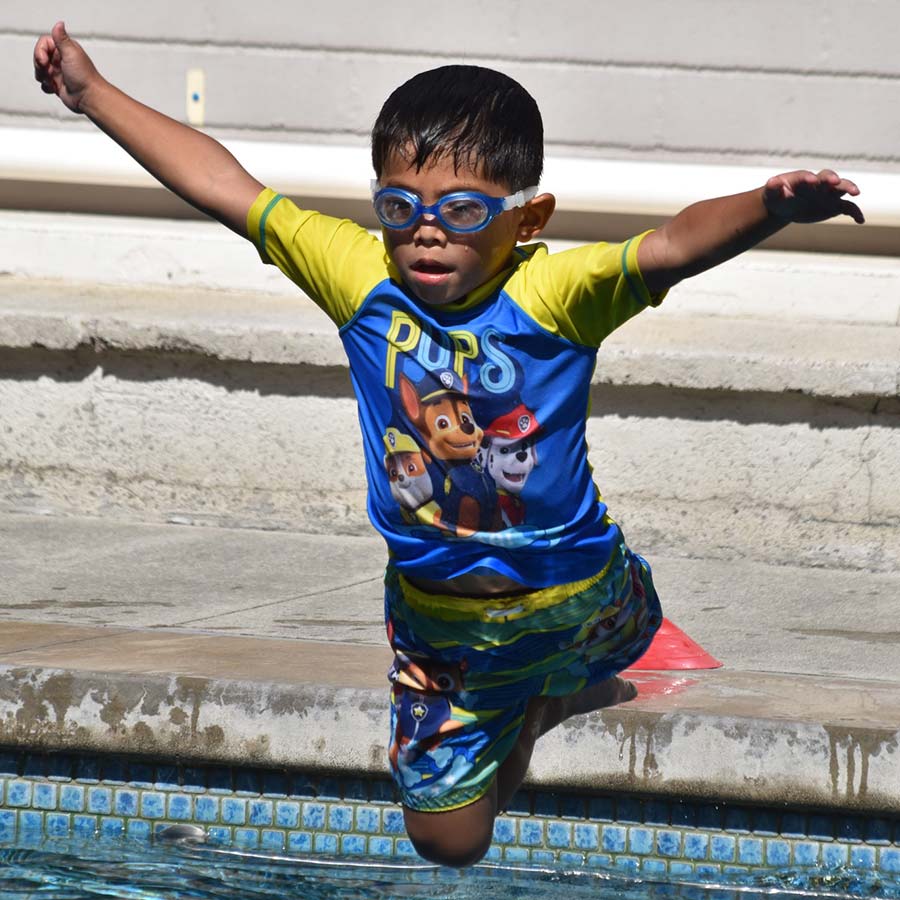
x: 462, y: 836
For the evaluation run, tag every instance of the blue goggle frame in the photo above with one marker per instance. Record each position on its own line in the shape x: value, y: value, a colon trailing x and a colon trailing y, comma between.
x: 493, y: 206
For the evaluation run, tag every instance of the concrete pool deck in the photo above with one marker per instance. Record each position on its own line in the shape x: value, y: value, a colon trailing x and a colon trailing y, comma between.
x: 266, y: 648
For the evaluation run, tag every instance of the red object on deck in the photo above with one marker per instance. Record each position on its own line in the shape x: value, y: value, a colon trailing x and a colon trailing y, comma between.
x: 671, y: 648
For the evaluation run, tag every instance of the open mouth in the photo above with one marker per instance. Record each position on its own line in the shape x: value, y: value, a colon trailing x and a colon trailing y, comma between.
x: 430, y: 267
x: 514, y: 477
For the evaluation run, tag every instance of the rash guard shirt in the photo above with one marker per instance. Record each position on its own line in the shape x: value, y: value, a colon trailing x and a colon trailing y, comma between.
x: 472, y: 413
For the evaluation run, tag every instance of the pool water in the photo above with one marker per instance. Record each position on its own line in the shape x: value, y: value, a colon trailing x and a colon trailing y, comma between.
x: 52, y: 869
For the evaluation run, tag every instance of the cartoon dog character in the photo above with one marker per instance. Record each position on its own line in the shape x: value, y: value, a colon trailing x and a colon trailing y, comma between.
x: 439, y: 410
x: 510, y: 456
x: 410, y: 483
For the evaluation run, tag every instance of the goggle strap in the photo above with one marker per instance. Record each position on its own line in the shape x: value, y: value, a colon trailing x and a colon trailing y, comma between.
x: 519, y: 198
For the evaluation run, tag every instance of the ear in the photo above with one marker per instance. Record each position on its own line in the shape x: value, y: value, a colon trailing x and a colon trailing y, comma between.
x: 426, y: 457
x: 409, y: 398
x: 536, y: 214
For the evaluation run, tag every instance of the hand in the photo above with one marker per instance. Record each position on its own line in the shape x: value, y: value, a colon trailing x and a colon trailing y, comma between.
x: 807, y: 197
x: 63, y: 68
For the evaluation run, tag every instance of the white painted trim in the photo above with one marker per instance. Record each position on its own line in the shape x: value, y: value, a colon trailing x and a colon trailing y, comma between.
x: 324, y: 170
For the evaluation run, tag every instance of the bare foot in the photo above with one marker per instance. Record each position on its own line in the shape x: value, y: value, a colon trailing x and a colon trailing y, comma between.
x: 610, y: 692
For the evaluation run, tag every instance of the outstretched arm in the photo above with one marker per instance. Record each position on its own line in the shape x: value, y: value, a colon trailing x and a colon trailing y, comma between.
x: 196, y: 167
x: 708, y: 233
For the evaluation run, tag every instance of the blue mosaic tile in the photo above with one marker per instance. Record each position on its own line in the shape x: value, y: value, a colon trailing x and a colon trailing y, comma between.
x: 166, y: 779
x: 683, y: 814
x: 849, y: 829
x: 9, y: 763
x: 764, y: 822
x: 247, y: 782
x: 287, y: 813
x: 680, y: 869
x: 246, y: 837
x: 570, y: 858
x: 587, y: 837
x: 368, y: 819
x: 653, y: 866
x: 531, y: 832
x: 353, y: 844
x: 85, y: 826
x: 313, y: 815
x: 793, y: 825
x: 656, y: 812
x: 219, y: 779
x: 8, y: 825
x: 504, y: 830
x: 696, y: 845
x: 181, y: 807
x: 393, y: 822
x: 834, y: 855
x: 594, y: 860
x: 87, y: 769
x: 520, y: 804
x: 300, y: 842
x: 206, y: 809
x: 877, y: 831
x: 113, y: 771
x: 381, y: 792
x: 494, y: 854
x: 60, y: 767
x: 340, y: 818
x: 821, y: 827
x: 806, y: 853
x: 543, y: 857
x: 750, y: 851
x: 100, y: 800
x: 516, y: 854
x: 613, y: 838
x: 778, y: 853
x: 737, y: 820
x: 138, y: 828
x: 234, y: 811
x: 57, y: 824
x: 668, y: 843
x: 629, y: 864
x: 601, y: 808
x: 559, y: 834
x: 381, y: 846
x: 275, y: 784
x: 325, y: 843
x: 219, y: 834
x: 30, y: 821
x: 572, y: 807
x: 302, y: 786
x: 112, y: 827
x: 270, y: 839
x: 35, y: 765
x: 126, y: 802
x: 710, y: 817
x: 545, y: 804
x: 140, y: 775
x: 354, y: 789
x: 640, y: 840
x: 44, y: 796
x: 888, y: 860
x: 153, y: 805
x: 862, y: 857
x: 706, y: 870
x: 261, y: 812
x: 72, y: 798
x: 329, y: 788
x: 629, y: 810
x: 722, y: 848
x: 18, y: 793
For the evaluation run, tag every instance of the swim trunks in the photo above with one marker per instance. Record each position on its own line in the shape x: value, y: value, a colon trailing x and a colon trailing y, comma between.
x: 465, y: 668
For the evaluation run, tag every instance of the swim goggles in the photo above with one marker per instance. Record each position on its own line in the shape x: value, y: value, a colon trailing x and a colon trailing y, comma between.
x: 461, y: 211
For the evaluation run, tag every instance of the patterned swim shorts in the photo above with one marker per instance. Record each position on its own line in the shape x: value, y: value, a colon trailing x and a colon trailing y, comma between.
x: 465, y: 668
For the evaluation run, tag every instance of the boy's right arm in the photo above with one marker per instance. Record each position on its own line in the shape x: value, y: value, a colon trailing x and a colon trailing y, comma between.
x: 193, y: 165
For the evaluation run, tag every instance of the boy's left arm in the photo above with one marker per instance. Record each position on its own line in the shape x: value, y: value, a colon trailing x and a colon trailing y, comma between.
x: 708, y: 233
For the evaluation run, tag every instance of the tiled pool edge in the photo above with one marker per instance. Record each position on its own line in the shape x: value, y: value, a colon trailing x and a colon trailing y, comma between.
x: 56, y: 795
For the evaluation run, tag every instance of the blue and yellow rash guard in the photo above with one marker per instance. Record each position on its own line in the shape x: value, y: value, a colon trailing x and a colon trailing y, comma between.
x: 472, y: 413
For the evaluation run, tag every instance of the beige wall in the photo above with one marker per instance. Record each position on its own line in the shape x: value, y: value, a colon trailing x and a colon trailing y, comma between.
x: 793, y: 81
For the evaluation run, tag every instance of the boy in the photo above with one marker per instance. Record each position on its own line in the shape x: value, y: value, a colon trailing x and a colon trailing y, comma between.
x: 511, y: 598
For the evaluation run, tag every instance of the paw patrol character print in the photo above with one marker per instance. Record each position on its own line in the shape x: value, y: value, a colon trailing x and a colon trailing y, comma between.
x: 510, y: 456
x: 406, y: 466
x: 439, y: 411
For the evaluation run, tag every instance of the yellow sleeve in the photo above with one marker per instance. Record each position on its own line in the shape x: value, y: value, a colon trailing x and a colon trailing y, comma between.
x: 583, y: 294
x: 335, y: 261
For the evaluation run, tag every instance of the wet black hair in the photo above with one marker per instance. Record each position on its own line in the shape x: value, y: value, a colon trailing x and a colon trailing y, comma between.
x: 475, y: 116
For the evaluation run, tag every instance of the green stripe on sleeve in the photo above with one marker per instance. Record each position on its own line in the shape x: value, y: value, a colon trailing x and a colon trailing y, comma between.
x: 262, y: 222
x: 629, y: 278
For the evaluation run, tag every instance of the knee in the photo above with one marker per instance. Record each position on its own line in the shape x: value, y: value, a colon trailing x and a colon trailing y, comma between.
x: 449, y: 843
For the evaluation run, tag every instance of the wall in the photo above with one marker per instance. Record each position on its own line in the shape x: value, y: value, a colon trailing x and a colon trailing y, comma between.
x: 810, y: 82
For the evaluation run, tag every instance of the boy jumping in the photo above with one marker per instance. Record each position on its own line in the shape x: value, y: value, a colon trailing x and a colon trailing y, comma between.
x: 511, y: 598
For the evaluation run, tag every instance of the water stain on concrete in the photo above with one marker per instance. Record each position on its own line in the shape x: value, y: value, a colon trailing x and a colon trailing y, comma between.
x: 866, y: 637
x: 855, y: 748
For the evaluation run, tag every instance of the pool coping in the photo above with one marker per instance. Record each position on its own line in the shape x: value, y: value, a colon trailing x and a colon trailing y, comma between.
x: 750, y: 737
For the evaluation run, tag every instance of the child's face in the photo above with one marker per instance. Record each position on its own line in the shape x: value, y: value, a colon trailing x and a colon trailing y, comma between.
x: 438, y: 265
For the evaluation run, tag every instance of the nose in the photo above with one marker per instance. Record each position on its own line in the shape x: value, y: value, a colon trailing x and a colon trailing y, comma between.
x: 429, y: 231
x: 522, y: 455
x: 467, y: 428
